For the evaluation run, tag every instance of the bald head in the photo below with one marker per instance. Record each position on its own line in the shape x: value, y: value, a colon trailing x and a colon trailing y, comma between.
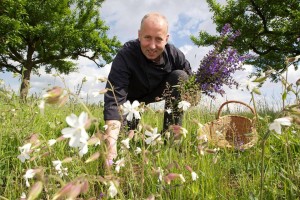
x: 155, y: 18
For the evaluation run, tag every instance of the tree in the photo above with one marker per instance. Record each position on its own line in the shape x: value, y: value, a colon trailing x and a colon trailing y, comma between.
x: 51, y: 33
x: 270, y: 30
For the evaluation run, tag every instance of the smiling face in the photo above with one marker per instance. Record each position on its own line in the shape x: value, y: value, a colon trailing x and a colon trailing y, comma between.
x: 153, y: 36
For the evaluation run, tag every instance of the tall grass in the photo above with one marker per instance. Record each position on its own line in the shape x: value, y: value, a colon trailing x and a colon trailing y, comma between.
x: 225, y: 174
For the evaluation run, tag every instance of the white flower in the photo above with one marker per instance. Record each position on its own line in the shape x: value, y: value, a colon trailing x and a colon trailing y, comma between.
x: 182, y: 178
x: 112, y: 190
x: 83, y: 148
x: 23, y: 196
x: 160, y: 175
x: 184, y: 105
x: 203, y: 137
x: 152, y: 137
x: 169, y: 110
x: 184, y: 131
x: 131, y: 110
x: 105, y: 127
x: 42, y: 107
x: 25, y: 150
x: 126, y: 143
x: 76, y: 132
x: 29, y: 174
x: 194, y: 176
x: 119, y: 163
x: 276, y: 125
x: 249, y: 84
x: 57, y: 164
x: 59, y: 169
x: 51, y: 142
x: 138, y: 150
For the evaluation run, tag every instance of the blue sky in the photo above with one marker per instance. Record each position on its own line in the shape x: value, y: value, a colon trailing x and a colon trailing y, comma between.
x: 185, y: 18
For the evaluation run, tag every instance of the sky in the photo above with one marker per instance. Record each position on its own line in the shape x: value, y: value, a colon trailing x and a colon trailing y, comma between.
x: 185, y: 18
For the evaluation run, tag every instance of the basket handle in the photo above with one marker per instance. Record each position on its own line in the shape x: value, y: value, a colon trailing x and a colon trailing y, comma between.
x: 233, y: 101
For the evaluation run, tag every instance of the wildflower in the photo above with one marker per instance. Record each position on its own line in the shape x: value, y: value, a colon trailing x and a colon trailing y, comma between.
x: 35, y: 190
x: 169, y: 110
x: 29, y: 174
x: 217, y: 67
x: 23, y: 196
x: 25, y: 150
x: 194, y: 176
x: 178, y: 131
x: 160, y: 174
x: 126, y: 143
x: 172, y: 176
x: 138, y: 150
x: 131, y: 110
x: 77, y: 133
x: 153, y: 137
x: 83, y: 148
x: 184, y: 105
x: 203, y: 137
x: 249, y: 84
x: 93, y: 157
x: 119, y: 163
x: 57, y: 164
x: 112, y: 190
x: 42, y: 106
x: 98, y: 79
x: 59, y: 169
x: 54, y: 95
x: 51, y: 142
x: 105, y: 127
x: 94, y: 140
x: 276, y: 125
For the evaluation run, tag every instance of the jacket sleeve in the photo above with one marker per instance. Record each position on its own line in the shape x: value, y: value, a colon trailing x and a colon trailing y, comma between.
x: 180, y: 62
x: 117, y: 85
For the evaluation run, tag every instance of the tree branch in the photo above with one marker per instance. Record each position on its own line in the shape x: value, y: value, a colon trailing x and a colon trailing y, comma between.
x: 261, y: 15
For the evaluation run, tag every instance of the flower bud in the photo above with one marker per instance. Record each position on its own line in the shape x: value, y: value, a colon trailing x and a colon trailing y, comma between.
x: 53, y: 95
x: 93, y: 157
x: 256, y: 91
x: 290, y: 87
x: 35, y: 190
x: 298, y: 82
x: 189, y: 168
x: 67, y: 160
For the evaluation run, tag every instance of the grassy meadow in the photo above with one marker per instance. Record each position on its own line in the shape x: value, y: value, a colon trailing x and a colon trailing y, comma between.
x: 268, y: 170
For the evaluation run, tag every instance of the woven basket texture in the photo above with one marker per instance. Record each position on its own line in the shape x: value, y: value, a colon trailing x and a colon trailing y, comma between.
x: 231, y: 131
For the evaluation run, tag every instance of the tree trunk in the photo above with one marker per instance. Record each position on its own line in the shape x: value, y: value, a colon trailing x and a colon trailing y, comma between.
x: 25, y: 84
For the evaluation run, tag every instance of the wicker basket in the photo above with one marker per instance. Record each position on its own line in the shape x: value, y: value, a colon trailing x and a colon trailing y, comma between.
x: 231, y: 131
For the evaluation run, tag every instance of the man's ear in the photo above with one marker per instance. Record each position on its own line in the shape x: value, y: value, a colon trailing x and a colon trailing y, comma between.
x: 167, y: 38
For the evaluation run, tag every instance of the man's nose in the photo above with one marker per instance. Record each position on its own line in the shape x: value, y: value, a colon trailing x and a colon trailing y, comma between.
x: 152, y: 44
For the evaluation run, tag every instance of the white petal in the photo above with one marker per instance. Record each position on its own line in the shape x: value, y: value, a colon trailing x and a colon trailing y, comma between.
x: 135, y: 104
x: 83, y: 117
x: 276, y: 127
x: 283, y: 121
x: 137, y: 115
x: 129, y: 117
x: 68, y: 132
x: 72, y: 120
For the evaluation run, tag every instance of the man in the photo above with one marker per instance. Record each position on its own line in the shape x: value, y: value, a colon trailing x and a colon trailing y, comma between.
x: 142, y: 70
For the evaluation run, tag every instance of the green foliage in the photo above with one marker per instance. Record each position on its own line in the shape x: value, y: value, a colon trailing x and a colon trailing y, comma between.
x: 46, y: 33
x: 269, y: 29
